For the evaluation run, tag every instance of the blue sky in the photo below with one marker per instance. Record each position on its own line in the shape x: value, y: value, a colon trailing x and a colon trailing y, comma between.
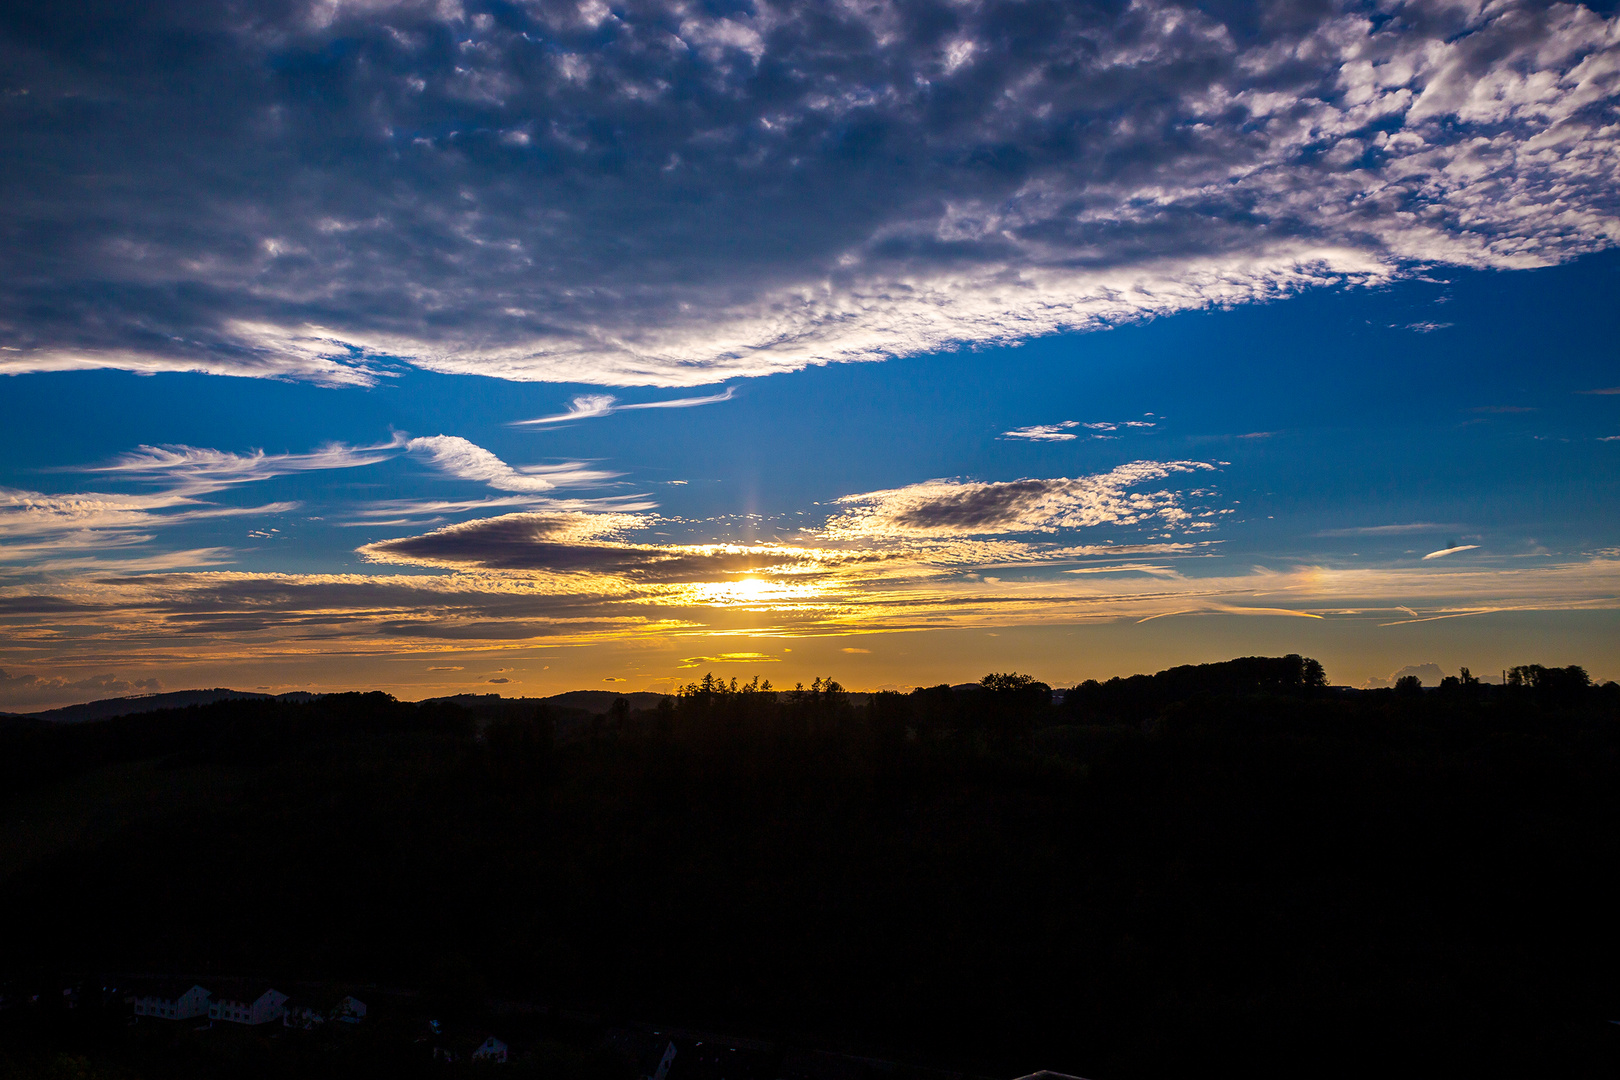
x: 1079, y: 341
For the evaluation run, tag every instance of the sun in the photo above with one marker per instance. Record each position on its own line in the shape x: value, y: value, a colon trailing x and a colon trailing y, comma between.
x: 750, y: 589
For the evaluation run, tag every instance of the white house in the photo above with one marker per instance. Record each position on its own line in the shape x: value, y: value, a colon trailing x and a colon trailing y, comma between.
x: 247, y: 1004
x: 492, y: 1049
x: 173, y: 1001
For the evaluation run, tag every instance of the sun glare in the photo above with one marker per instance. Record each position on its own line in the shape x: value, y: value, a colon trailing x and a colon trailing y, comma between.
x: 751, y: 591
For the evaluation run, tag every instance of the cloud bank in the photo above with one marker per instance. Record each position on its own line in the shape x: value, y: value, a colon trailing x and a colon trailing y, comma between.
x: 657, y: 193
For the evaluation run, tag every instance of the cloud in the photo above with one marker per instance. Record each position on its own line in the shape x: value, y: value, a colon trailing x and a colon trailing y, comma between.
x: 1427, y: 327
x: 852, y: 649
x: 672, y: 195
x: 502, y: 680
x: 574, y: 544
x: 1389, y: 530
x: 416, y: 512
x: 1605, y: 390
x: 1427, y: 674
x: 37, y: 526
x: 192, y: 470
x: 448, y: 667
x: 1129, y: 568
x: 730, y: 658
x: 1060, y: 432
x: 29, y: 690
x: 1043, y: 432
x: 48, y: 531
x: 588, y: 406
x: 457, y: 457
x: 163, y: 622
x: 1451, y: 551
x: 953, y: 507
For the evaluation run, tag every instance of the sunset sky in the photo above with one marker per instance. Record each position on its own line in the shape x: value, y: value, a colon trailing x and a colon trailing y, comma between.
x: 523, y: 347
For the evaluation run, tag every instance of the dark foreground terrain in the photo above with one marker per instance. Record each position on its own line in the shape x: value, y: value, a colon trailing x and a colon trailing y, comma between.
x: 1216, y: 870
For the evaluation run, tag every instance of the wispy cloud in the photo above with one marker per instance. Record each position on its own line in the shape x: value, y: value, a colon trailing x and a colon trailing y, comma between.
x: 1443, y: 552
x: 1129, y: 568
x: 1060, y: 432
x: 99, y: 521
x: 589, y: 406
x: 464, y: 460
x: 424, y: 511
x: 1044, y: 432
x: 1390, y: 530
x: 736, y: 658
x: 192, y: 470
x: 46, y: 530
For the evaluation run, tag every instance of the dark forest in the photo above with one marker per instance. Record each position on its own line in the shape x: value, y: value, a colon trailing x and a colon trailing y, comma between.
x: 1229, y: 867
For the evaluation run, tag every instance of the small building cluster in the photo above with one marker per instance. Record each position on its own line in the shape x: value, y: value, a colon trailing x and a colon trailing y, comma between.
x: 452, y: 1048
x: 240, y: 1002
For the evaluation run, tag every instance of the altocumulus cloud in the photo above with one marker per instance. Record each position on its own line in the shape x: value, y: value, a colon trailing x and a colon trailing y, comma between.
x: 660, y: 193
x: 965, y: 508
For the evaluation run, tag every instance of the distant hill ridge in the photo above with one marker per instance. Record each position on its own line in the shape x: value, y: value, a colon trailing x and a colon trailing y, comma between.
x: 588, y: 701
x: 1243, y: 675
x: 107, y: 708
x: 591, y: 701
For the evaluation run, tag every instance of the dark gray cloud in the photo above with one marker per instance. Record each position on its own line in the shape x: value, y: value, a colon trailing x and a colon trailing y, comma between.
x: 28, y: 689
x: 655, y: 192
x: 560, y: 544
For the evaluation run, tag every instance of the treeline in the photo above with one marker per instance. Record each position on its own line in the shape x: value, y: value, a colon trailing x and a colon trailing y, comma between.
x: 1222, y: 866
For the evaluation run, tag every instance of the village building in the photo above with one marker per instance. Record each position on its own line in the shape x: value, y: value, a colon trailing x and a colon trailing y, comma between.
x: 247, y: 1003
x: 172, y: 1001
x: 307, y: 1013
x: 491, y: 1050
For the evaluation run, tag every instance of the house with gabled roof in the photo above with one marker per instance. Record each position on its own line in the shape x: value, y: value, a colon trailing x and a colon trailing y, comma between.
x: 180, y: 1000
x: 246, y: 1003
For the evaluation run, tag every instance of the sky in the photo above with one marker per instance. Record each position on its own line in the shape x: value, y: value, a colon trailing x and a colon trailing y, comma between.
x: 526, y: 347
